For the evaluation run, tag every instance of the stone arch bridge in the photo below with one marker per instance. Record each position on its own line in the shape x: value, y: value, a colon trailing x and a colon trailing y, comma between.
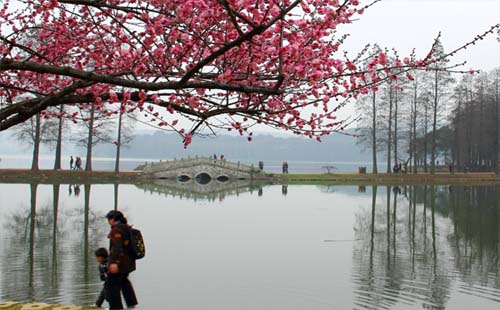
x: 202, y: 169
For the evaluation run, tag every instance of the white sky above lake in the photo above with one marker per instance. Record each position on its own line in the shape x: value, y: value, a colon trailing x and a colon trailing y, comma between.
x: 408, y: 24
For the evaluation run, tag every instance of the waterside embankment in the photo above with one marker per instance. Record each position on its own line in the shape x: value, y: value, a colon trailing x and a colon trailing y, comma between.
x: 133, y: 177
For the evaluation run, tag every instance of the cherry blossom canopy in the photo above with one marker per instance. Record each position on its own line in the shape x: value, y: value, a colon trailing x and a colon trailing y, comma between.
x: 219, y: 63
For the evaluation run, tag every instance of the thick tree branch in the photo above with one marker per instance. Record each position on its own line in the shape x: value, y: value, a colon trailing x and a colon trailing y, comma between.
x: 114, y: 80
x: 248, y: 36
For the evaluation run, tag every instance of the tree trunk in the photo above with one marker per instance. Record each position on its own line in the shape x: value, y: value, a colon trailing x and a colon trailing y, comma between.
x: 426, y: 126
x: 374, y: 134
x: 497, y: 125
x: 434, y: 124
x: 57, y: 160
x: 480, y: 138
x: 36, y: 143
x: 410, y: 145
x: 469, y: 108
x: 395, y: 140
x: 389, y: 131
x: 119, y: 140
x: 457, y: 128
x: 88, y: 161
x: 415, y: 128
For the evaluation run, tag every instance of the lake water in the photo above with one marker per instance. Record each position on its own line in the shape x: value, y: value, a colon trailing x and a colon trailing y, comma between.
x: 270, y: 166
x: 252, y: 247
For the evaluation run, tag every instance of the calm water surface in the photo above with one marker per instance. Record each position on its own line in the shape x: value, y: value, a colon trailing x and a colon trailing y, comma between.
x: 272, y: 247
x: 271, y: 166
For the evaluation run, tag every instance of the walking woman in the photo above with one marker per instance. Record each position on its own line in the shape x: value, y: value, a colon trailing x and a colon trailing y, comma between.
x: 120, y: 264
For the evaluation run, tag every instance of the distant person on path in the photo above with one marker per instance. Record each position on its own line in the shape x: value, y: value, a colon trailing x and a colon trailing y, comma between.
x: 78, y: 164
x: 215, y: 156
x: 71, y: 161
x: 395, y: 168
x: 222, y: 157
x: 261, y: 165
x: 284, y: 167
x: 101, y: 256
x: 120, y: 264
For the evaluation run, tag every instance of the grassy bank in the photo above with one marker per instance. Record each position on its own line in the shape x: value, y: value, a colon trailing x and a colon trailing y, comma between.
x: 134, y: 177
x: 46, y: 176
x: 391, y: 179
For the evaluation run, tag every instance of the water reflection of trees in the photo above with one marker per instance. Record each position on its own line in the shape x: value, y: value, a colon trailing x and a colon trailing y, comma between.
x: 49, y: 251
x: 476, y: 233
x: 414, y: 239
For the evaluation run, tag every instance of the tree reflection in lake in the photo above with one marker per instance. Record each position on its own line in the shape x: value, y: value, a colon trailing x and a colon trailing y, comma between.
x: 475, y: 238
x: 408, y: 257
x: 46, y: 257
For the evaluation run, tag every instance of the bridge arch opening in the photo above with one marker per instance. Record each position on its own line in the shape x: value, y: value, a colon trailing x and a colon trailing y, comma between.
x: 223, y: 178
x: 203, y: 178
x: 183, y: 178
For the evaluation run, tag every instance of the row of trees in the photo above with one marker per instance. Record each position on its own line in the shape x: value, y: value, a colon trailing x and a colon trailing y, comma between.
x: 427, y: 119
x: 472, y: 133
x: 94, y: 127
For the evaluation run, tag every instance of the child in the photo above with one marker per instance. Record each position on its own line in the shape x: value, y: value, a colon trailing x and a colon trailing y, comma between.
x: 101, y: 256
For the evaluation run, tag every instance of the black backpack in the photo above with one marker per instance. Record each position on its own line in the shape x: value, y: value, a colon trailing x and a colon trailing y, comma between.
x: 137, y: 248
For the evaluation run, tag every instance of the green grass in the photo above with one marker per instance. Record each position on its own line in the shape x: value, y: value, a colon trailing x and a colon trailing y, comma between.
x: 383, y: 178
x: 129, y: 177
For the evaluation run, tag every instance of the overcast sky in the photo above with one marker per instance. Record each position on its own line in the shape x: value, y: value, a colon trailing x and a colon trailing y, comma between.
x: 407, y: 24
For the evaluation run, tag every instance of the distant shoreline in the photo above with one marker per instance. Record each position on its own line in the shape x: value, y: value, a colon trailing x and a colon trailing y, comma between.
x: 46, y: 176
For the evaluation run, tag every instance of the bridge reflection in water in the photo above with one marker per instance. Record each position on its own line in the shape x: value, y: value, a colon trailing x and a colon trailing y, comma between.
x: 202, y: 189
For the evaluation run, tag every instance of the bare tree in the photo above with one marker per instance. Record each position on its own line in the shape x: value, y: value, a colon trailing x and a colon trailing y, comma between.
x: 96, y: 129
x: 124, y: 132
x: 35, y: 132
x: 366, y: 109
x: 441, y: 80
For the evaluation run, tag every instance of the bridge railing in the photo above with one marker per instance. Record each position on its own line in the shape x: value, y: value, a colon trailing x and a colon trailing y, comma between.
x: 190, y: 162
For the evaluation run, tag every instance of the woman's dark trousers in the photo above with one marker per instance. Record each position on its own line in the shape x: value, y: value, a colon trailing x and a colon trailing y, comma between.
x: 116, y: 284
